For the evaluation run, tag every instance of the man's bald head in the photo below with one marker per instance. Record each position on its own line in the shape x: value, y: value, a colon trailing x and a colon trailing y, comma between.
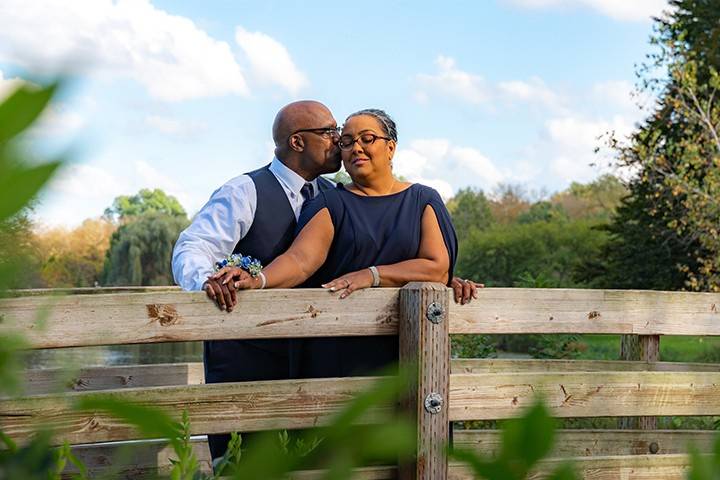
x: 298, y: 115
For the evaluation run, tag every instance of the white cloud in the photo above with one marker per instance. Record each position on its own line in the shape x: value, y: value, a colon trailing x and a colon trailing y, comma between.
x: 624, y: 10
x: 168, y: 54
x: 450, y: 81
x: 440, y: 164
x: 58, y: 119
x: 173, y: 126
x: 532, y: 91
x: 573, y: 141
x: 270, y: 61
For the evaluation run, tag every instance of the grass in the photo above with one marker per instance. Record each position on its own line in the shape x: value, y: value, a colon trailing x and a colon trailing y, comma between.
x: 672, y: 349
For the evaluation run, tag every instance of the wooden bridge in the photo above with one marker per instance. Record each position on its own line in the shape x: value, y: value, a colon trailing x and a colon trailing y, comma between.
x: 423, y: 316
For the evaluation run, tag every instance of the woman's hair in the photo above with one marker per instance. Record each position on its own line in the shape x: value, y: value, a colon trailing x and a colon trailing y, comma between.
x: 387, y: 123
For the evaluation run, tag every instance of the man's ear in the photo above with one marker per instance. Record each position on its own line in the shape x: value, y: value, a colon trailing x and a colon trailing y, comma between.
x: 296, y: 143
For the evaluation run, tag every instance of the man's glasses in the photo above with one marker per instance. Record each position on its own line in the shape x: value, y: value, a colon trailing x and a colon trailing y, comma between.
x: 346, y: 142
x: 327, y: 132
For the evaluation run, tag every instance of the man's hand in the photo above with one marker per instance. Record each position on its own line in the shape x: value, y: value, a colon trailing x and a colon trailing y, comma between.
x: 223, y: 295
x: 350, y: 282
x: 464, y: 290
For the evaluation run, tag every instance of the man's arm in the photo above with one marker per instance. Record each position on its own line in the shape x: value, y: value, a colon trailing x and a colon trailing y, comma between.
x: 214, y: 232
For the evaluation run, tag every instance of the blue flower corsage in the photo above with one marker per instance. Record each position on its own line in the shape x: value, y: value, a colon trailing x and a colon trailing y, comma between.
x: 247, y: 263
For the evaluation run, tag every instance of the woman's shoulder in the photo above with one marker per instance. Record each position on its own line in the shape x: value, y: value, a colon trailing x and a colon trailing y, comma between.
x: 426, y: 193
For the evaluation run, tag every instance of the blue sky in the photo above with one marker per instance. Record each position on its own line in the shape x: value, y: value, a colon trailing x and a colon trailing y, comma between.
x: 181, y: 94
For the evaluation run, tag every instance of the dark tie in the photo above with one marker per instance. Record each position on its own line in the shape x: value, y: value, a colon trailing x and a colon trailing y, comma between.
x: 307, y: 192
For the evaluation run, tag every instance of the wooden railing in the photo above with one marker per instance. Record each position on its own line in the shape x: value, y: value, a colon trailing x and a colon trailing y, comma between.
x: 467, y: 389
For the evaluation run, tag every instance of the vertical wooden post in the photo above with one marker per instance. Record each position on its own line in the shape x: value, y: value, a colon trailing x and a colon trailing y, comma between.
x: 645, y: 348
x: 425, y: 344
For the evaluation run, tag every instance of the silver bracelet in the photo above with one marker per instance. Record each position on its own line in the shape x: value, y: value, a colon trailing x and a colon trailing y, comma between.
x: 264, y: 280
x: 375, y: 275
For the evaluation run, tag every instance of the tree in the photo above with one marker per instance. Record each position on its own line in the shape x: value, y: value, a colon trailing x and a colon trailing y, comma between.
x: 598, y: 199
x: 470, y: 210
x: 666, y: 233
x: 141, y: 250
x: 74, y: 258
x: 145, y: 201
x: 19, y: 251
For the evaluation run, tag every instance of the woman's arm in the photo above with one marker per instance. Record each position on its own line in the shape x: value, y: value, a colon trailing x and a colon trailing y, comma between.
x: 306, y: 254
x: 431, y: 265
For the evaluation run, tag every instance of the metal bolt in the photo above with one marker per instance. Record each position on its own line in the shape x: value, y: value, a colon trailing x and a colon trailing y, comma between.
x: 654, y: 448
x: 435, y: 312
x: 433, y: 403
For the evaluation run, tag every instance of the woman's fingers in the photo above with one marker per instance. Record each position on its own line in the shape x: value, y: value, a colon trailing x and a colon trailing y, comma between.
x: 350, y: 288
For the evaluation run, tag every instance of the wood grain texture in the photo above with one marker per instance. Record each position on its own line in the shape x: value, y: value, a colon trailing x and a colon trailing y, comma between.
x: 111, y: 319
x: 130, y: 460
x: 635, y: 467
x: 502, y: 365
x: 594, y: 443
x: 538, y: 310
x: 216, y: 408
x: 585, y: 394
x: 426, y: 346
x: 56, y: 380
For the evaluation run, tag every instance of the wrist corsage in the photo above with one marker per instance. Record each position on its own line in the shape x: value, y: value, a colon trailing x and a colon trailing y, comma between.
x: 247, y: 263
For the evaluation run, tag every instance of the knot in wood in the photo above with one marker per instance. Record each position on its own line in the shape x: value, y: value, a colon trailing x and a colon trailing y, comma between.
x: 435, y: 312
x: 163, y: 314
x: 593, y: 315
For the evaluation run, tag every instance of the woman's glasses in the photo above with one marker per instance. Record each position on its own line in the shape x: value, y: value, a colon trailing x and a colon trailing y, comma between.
x: 346, y: 142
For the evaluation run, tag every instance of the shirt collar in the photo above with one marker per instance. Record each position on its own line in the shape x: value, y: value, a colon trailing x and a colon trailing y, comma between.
x: 289, y: 177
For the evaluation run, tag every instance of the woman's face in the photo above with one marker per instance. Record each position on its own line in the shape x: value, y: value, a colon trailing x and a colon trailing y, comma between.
x: 365, y: 157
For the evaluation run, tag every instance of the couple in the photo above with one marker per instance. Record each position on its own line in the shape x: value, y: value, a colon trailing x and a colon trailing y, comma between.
x: 375, y: 231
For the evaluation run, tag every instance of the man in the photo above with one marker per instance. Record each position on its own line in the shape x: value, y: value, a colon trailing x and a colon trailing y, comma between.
x: 256, y: 214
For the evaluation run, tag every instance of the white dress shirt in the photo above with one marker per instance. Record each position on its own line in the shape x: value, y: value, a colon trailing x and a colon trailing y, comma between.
x: 223, y: 221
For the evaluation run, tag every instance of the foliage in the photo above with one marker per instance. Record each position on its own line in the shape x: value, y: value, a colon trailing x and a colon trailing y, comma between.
x: 472, y: 346
x: 18, y: 251
x: 470, y: 211
x: 596, y: 200
x: 141, y: 250
x: 705, y: 467
x: 74, y: 258
x: 144, y: 202
x: 525, y: 441
x: 504, y: 255
x: 666, y: 234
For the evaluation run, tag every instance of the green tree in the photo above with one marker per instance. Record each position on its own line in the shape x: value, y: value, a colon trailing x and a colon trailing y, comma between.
x: 507, y: 255
x: 666, y: 233
x: 470, y: 210
x: 145, y: 201
x: 141, y: 250
x: 598, y: 199
x: 543, y: 211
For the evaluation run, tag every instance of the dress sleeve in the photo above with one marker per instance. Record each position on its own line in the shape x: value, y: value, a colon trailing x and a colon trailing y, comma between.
x: 310, y: 209
x: 446, y: 226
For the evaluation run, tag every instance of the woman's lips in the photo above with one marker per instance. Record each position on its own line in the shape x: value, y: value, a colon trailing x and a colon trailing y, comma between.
x: 359, y: 161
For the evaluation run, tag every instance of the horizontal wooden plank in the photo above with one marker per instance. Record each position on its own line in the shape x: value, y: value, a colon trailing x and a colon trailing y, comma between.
x: 130, y: 460
x: 161, y: 315
x: 365, y: 473
x: 56, y: 380
x: 504, y: 365
x: 634, y: 467
x: 584, y: 394
x: 110, y: 319
x: 216, y: 408
x: 34, y: 292
x: 539, y: 310
x: 594, y: 443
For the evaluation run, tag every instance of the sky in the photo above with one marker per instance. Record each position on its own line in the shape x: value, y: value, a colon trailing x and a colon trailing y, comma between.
x: 181, y: 94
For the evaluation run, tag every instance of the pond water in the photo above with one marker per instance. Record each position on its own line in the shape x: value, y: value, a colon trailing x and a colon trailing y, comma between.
x: 115, y: 355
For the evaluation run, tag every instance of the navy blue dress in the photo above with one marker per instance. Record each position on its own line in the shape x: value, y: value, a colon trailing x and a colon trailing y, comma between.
x: 369, y: 231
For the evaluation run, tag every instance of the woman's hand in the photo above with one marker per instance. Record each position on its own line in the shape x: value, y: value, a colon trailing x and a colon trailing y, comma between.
x: 350, y: 282
x: 235, y: 278
x: 464, y: 290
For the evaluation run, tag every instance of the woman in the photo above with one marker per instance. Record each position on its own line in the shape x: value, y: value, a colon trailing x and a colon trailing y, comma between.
x: 375, y: 231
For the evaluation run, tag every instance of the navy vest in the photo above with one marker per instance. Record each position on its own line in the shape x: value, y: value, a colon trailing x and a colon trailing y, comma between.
x: 273, y: 227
